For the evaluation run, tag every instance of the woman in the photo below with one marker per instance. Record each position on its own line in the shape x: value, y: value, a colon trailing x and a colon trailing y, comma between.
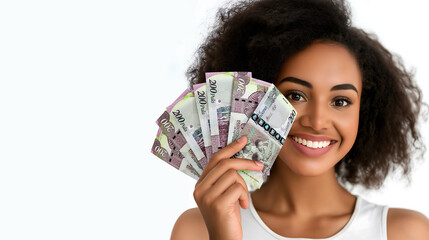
x: 357, y: 112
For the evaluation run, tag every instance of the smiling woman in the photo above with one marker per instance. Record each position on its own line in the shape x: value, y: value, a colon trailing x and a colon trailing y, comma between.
x: 357, y: 114
x: 327, y: 102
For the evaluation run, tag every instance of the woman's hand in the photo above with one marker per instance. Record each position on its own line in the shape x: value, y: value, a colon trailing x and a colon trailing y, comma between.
x: 220, y: 190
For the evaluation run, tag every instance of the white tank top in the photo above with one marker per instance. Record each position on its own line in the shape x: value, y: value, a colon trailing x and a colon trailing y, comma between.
x: 368, y: 222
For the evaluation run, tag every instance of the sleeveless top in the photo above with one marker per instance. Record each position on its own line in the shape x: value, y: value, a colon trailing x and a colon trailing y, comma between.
x: 368, y: 222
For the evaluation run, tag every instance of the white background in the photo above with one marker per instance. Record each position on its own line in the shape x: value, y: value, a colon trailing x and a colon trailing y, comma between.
x: 81, y: 85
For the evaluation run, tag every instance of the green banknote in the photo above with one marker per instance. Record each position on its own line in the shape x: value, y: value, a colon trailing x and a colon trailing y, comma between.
x: 266, y: 132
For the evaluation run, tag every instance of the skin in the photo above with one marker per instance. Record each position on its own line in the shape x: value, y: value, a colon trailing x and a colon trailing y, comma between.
x: 302, y: 197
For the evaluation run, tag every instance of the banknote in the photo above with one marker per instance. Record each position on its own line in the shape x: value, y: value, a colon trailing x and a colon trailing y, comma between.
x: 164, y: 149
x: 200, y: 92
x: 266, y: 132
x: 165, y: 123
x: 183, y: 111
x: 247, y: 92
x: 219, y: 90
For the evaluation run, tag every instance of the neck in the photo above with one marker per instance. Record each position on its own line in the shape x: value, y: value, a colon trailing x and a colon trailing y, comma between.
x: 287, y: 192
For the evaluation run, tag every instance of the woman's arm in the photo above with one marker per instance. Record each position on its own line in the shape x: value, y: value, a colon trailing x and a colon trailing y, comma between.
x: 407, y: 224
x: 190, y: 225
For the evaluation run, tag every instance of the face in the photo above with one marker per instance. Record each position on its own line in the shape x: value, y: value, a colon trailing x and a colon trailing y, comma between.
x: 323, y: 83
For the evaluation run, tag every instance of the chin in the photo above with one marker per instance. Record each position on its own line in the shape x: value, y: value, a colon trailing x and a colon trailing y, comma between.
x: 307, y: 168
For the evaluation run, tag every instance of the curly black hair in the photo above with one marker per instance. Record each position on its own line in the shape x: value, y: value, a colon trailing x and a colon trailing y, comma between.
x: 259, y: 36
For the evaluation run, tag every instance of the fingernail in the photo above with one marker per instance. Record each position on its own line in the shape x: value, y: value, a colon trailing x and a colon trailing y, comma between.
x: 241, y: 140
x: 260, y: 164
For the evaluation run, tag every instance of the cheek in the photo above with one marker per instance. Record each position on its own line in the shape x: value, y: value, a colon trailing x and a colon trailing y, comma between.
x: 347, y: 125
x: 283, y: 154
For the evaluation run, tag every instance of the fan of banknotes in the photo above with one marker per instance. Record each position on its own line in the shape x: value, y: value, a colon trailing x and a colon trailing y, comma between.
x: 229, y: 105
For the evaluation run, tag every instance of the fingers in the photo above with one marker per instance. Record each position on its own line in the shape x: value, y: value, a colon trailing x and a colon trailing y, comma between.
x: 226, y: 152
x: 229, y: 178
x: 222, y: 178
x: 234, y: 192
x: 227, y: 164
x: 231, y: 149
x: 220, y: 184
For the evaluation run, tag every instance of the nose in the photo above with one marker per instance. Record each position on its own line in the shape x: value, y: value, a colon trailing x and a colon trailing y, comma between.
x: 316, y: 116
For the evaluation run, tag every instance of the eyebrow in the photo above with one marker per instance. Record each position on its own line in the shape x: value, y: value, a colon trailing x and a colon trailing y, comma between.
x: 296, y: 80
x: 345, y: 86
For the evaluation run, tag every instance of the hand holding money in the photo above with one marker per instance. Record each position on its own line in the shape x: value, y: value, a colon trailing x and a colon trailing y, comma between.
x: 220, y: 190
x: 229, y: 105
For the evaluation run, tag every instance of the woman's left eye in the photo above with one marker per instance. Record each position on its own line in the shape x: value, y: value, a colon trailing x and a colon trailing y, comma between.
x: 341, y: 102
x: 295, y: 97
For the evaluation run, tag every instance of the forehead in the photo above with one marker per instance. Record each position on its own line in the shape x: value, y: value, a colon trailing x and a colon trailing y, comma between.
x: 323, y: 64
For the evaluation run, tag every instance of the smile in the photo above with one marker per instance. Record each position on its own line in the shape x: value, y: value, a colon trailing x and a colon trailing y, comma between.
x: 311, y: 144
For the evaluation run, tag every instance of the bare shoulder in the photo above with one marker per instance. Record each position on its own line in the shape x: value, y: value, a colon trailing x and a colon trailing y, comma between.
x: 407, y: 224
x: 190, y: 225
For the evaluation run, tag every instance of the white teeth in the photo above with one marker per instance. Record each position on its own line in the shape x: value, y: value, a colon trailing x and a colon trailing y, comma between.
x: 311, y: 144
x: 317, y: 144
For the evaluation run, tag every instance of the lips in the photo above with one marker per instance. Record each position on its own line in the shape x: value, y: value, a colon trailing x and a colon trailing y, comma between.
x: 312, y: 146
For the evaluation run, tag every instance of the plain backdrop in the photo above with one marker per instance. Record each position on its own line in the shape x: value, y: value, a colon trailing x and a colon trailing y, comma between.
x: 81, y: 85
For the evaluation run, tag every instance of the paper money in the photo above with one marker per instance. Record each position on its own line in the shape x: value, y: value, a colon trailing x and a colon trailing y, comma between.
x: 219, y: 90
x: 229, y: 105
x: 200, y: 92
x: 266, y: 132
x: 165, y: 123
x: 164, y: 149
x: 183, y: 111
x: 247, y: 92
